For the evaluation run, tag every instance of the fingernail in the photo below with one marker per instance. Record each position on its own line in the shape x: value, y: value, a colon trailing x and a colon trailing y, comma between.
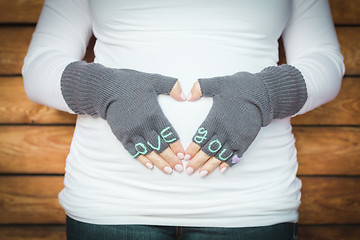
x: 187, y: 157
x: 149, y: 165
x: 168, y: 170
x: 203, y: 173
x: 223, y: 169
x: 189, y: 170
x: 183, y: 97
x: 188, y: 97
x: 179, y: 167
x: 180, y: 155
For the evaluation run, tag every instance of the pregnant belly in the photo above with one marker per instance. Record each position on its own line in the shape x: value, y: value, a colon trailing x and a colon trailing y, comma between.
x: 186, y: 116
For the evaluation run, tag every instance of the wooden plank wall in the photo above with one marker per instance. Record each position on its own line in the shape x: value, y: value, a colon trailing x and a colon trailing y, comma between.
x: 34, y: 141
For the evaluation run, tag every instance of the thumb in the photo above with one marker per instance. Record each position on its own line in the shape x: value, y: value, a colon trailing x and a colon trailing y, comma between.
x: 176, y: 92
x: 209, y: 86
x: 195, y: 93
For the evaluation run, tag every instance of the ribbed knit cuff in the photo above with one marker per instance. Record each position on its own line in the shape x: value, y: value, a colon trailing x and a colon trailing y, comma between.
x: 286, y: 88
x: 80, y: 82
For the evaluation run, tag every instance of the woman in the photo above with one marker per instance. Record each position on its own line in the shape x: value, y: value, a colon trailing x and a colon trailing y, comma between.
x: 225, y: 51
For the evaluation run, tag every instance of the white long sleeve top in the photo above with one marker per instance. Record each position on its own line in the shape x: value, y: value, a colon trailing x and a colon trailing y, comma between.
x: 187, y: 39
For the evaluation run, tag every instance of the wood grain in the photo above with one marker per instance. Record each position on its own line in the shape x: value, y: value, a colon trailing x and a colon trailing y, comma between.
x: 32, y: 233
x: 330, y: 200
x: 43, y: 149
x: 30, y: 199
x: 14, y: 42
x: 328, y: 150
x: 343, y: 110
x: 345, y: 12
x: 40, y: 149
x: 350, y: 48
x: 20, y: 11
x: 15, y: 106
x: 328, y: 232
x: 33, y: 200
x: 28, y: 11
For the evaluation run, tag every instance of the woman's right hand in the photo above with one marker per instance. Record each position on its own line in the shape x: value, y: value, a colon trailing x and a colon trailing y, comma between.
x: 127, y: 99
x: 169, y: 158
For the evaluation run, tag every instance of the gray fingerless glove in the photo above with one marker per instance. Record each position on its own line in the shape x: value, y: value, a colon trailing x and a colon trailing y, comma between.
x: 126, y: 98
x: 242, y: 104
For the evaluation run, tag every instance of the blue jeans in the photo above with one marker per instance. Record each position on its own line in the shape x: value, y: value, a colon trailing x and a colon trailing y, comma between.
x: 76, y: 230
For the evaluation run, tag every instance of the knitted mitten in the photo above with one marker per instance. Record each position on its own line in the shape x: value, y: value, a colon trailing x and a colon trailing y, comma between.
x: 242, y: 104
x: 126, y: 98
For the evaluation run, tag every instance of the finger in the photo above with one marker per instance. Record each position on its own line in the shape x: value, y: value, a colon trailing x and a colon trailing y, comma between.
x: 213, y: 146
x: 159, y: 162
x: 225, y: 153
x: 164, y: 129
x: 195, y: 93
x: 199, y: 159
x: 178, y: 149
x: 209, y: 166
x: 223, y: 167
x: 155, y: 141
x: 137, y: 147
x: 234, y: 159
x: 169, y: 156
x: 191, y: 150
x: 158, y: 143
x: 145, y: 161
x: 177, y: 93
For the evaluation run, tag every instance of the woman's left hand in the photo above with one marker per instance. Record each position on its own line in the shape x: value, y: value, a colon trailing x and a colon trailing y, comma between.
x: 232, y: 124
x: 198, y: 156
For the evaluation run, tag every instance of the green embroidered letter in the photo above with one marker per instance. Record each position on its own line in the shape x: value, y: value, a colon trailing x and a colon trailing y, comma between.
x: 158, y: 145
x: 164, y: 136
x: 224, y: 158
x: 216, y: 141
x: 141, y: 151
x: 199, y: 139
